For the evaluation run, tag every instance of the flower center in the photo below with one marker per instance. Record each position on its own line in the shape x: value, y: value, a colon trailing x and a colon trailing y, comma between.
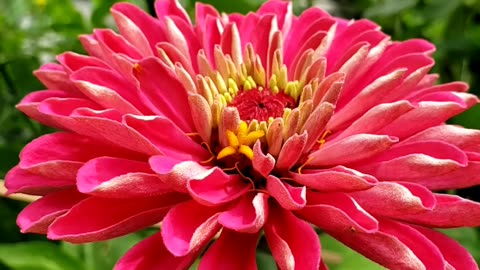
x: 261, y: 104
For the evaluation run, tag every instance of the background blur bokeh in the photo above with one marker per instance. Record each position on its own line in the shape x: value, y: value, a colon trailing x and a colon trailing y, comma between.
x: 32, y: 32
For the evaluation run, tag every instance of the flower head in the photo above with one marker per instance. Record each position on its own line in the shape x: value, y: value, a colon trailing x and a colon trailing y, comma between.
x: 249, y: 126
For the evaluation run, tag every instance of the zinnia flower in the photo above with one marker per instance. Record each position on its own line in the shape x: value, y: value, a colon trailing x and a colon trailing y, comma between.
x: 238, y: 127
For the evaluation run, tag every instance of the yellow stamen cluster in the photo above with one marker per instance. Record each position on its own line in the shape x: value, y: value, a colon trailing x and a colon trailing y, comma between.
x: 241, y: 142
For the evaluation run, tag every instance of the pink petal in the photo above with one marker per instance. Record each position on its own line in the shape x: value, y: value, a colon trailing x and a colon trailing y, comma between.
x: 338, y: 178
x: 18, y: 180
x: 293, y: 242
x: 224, y: 252
x: 456, y: 255
x: 450, y: 212
x: 175, y: 173
x: 281, y: 9
x: 287, y: 196
x: 415, y: 160
x: 214, y: 187
x: 394, y: 199
x: 351, y: 149
x: 167, y: 95
x: 460, y: 178
x: 37, y: 216
x: 262, y: 163
x: 73, y: 61
x: 423, y: 248
x: 108, y: 89
x: 463, y: 138
x: 337, y: 211
x: 119, y: 178
x: 376, y: 118
x: 97, y: 219
x: 132, y: 32
x: 188, y: 227
x: 182, y: 147
x: 291, y: 151
x: 54, y: 77
x: 151, y: 253
x: 248, y: 215
x: 165, y: 8
x: 151, y: 27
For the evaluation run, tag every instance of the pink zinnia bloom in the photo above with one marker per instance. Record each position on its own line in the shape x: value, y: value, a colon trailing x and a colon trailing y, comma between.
x: 246, y: 126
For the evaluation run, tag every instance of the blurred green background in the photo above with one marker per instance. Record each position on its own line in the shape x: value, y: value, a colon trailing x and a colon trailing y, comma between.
x: 32, y: 32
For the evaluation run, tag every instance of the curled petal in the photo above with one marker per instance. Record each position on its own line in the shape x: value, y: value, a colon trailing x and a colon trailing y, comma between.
x: 151, y: 253
x: 338, y: 212
x: 224, y: 252
x: 188, y: 227
x: 291, y: 151
x: 262, y: 163
x: 96, y: 218
x: 37, y: 216
x: 338, y: 178
x: 289, y: 197
x: 449, y: 212
x: 248, y: 215
x: 293, y: 242
x: 119, y: 178
x: 401, y: 199
x: 175, y: 173
x: 214, y: 187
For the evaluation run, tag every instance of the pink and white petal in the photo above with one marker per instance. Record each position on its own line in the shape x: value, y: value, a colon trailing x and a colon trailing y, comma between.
x: 215, y: 187
x: 293, y: 242
x: 450, y: 212
x: 161, y: 88
x: 224, y: 252
x: 189, y: 226
x: 337, y: 212
x: 95, y: 218
x: 339, y: 178
x: 351, y: 149
x: 287, y: 196
x: 262, y: 163
x: 182, y: 147
x: 394, y: 199
x: 37, y: 216
x: 454, y: 253
x: 119, y: 178
x: 175, y: 173
x: 151, y: 253
x: 248, y: 215
x: 19, y: 180
x: 132, y: 32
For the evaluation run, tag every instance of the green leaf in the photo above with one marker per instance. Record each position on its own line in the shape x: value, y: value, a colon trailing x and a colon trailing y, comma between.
x: 102, y: 255
x: 37, y: 256
x: 348, y: 259
x: 389, y: 8
x: 265, y: 261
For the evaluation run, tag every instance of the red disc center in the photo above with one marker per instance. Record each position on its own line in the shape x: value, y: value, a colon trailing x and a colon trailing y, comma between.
x: 261, y: 105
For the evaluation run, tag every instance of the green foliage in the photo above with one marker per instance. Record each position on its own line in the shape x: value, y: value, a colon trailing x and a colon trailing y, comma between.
x: 32, y: 32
